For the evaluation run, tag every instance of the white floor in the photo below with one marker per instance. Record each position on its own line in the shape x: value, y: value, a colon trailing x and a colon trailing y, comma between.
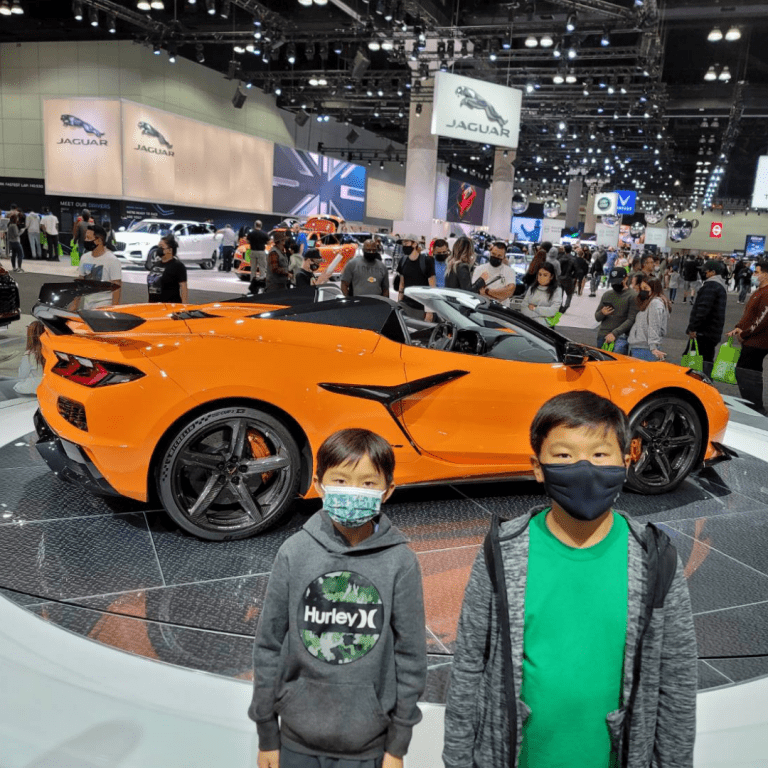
x: 69, y: 702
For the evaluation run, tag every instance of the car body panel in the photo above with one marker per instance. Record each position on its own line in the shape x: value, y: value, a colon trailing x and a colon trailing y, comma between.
x: 10, y: 305
x: 198, y: 242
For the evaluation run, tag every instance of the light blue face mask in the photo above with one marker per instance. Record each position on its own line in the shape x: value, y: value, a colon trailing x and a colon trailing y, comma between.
x: 351, y: 507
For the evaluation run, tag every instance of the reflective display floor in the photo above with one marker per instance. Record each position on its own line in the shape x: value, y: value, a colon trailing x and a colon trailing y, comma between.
x: 125, y: 576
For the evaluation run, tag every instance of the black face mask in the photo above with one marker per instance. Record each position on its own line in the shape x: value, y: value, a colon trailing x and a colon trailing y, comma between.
x: 495, y: 261
x: 370, y: 255
x: 440, y: 256
x: 314, y: 266
x: 584, y: 490
x: 407, y: 250
x: 89, y: 245
x: 618, y: 287
x: 644, y: 295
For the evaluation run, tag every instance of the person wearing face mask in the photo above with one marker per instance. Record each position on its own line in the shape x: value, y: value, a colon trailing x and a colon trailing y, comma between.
x: 616, y: 312
x: 366, y: 275
x: 500, y: 277
x: 99, y: 265
x: 544, y: 297
x: 576, y: 643
x: 440, y: 253
x: 167, y: 280
x: 278, y: 263
x: 340, y: 649
x: 414, y: 269
x: 650, y: 326
x: 309, y: 276
x: 459, y: 269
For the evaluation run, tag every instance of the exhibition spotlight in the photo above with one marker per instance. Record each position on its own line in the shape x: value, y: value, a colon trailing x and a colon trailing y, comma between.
x: 157, y: 5
x: 77, y: 10
x: 157, y: 50
x: 290, y: 53
x: 93, y: 16
x: 546, y: 41
x: 733, y: 34
x: 605, y: 40
x: 557, y: 51
x: 224, y: 9
x: 5, y: 8
x: 199, y: 54
x: 172, y: 54
x: 531, y: 41
x: 112, y: 24
x: 142, y: 5
x: 715, y: 35
x: 210, y: 6
x: 725, y: 75
x: 570, y: 23
x: 710, y: 74
x: 16, y: 8
x: 305, y: 3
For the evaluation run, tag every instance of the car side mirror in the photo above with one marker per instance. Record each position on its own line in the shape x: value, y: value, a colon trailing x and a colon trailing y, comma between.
x: 574, y: 356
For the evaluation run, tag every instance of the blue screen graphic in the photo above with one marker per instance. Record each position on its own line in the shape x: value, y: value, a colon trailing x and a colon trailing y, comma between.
x: 308, y: 184
x: 526, y: 229
x: 754, y: 246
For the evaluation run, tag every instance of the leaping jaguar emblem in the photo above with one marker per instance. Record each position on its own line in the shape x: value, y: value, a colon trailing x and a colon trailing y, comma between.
x: 149, y: 130
x: 76, y: 122
x: 473, y: 100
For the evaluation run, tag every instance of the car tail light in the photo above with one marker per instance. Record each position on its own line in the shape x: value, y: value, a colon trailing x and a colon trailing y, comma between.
x: 73, y: 412
x: 93, y: 373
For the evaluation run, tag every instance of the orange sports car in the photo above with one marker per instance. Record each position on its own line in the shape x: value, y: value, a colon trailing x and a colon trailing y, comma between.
x: 218, y: 409
x: 331, y: 238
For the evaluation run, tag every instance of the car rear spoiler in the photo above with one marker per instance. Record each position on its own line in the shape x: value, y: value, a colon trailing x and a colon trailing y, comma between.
x: 63, y: 294
x: 56, y: 319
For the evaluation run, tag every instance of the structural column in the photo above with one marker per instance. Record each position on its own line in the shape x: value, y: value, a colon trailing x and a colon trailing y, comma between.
x: 590, y: 220
x: 421, y: 164
x: 575, y: 187
x: 500, y: 218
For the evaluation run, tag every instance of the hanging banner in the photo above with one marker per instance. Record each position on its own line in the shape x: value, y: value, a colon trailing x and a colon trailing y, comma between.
x: 606, y: 204
x: 656, y: 236
x: 607, y: 237
x: 82, y: 147
x: 474, y: 110
x: 626, y: 201
x: 716, y: 229
x: 551, y: 229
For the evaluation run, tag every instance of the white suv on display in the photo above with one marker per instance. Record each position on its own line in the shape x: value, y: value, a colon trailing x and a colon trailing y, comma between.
x: 198, y: 243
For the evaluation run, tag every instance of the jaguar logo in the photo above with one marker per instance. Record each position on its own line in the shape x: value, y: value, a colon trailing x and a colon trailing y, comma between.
x: 76, y: 122
x: 149, y: 130
x: 473, y: 100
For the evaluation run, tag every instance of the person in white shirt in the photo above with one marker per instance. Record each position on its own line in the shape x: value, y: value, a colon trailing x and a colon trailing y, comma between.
x: 32, y: 225
x: 503, y: 288
x: 50, y: 225
x: 99, y: 265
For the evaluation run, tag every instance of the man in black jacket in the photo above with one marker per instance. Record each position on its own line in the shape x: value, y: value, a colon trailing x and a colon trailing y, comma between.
x: 708, y: 311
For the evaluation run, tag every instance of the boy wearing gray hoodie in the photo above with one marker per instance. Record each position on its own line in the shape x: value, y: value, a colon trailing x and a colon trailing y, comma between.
x: 340, y: 650
x: 576, y: 645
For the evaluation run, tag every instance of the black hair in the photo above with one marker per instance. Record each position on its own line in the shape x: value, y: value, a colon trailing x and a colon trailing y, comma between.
x: 313, y: 253
x: 567, y: 247
x: 545, y: 244
x: 98, y: 231
x: 548, y: 266
x: 579, y: 408
x: 349, y: 446
x: 172, y: 243
x: 763, y: 264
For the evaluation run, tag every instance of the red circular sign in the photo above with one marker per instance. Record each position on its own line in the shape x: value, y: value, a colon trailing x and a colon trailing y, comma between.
x: 716, y: 230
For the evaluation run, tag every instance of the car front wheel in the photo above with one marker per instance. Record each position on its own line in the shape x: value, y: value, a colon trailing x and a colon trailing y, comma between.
x: 667, y: 436
x: 229, y: 473
x: 152, y: 257
x: 209, y: 263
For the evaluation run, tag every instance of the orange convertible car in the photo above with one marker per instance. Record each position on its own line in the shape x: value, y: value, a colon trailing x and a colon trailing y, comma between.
x: 218, y: 409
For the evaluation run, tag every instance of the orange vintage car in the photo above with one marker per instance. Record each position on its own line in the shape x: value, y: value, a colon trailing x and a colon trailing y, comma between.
x: 332, y: 241
x: 217, y: 410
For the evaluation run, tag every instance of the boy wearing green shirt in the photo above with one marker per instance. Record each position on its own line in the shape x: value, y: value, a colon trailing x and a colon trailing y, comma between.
x: 581, y: 615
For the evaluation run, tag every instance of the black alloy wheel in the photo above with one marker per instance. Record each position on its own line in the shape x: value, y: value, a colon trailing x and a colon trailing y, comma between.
x: 229, y: 473
x: 209, y: 263
x: 152, y: 257
x: 667, y: 439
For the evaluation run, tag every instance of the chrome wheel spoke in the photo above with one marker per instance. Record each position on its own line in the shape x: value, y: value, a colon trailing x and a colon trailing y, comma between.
x: 213, y: 487
x: 248, y: 503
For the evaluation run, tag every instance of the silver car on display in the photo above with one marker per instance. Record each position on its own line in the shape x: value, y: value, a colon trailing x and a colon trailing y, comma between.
x: 198, y: 242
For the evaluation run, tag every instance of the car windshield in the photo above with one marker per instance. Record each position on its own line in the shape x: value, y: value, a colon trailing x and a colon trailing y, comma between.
x: 149, y: 228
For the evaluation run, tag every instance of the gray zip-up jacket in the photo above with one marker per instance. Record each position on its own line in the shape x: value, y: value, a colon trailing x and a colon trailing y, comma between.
x: 650, y: 326
x: 340, y: 652
x: 662, y: 722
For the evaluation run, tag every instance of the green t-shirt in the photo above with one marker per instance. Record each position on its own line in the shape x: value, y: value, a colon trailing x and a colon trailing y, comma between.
x: 573, y: 647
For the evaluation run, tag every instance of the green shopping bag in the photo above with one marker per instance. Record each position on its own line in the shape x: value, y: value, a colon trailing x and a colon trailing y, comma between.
x: 74, y: 254
x: 724, y: 368
x: 692, y: 360
x: 608, y: 346
x: 554, y: 320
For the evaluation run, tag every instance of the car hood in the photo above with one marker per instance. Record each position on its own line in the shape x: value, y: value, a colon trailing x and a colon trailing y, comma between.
x: 137, y: 238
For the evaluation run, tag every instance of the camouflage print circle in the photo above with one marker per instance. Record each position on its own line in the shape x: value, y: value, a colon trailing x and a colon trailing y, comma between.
x: 340, y: 617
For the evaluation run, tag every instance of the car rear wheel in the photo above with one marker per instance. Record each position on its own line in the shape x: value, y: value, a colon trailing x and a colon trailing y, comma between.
x: 229, y: 473
x: 209, y: 263
x: 667, y: 437
x: 152, y: 257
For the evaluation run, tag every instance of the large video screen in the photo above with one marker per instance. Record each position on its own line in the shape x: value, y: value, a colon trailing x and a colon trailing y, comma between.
x: 82, y: 147
x: 526, y: 229
x: 754, y: 246
x: 308, y: 184
x: 465, y: 203
x: 760, y: 189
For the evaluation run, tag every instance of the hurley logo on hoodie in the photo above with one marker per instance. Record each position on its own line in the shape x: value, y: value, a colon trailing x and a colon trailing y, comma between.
x: 340, y: 617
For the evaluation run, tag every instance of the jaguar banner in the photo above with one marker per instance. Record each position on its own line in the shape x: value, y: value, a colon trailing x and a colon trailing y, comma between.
x: 477, y: 111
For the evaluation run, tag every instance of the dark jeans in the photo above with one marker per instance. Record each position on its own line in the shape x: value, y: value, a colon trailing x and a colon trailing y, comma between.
x: 53, y: 247
x: 594, y: 283
x: 743, y: 291
x: 16, y: 254
x: 707, y: 348
x: 672, y: 294
x: 749, y: 375
x: 567, y: 284
x: 620, y: 346
x: 227, y: 253
x: 290, y: 759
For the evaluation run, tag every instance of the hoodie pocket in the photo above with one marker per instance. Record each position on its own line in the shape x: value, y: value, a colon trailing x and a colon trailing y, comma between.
x: 334, y: 718
x: 615, y: 722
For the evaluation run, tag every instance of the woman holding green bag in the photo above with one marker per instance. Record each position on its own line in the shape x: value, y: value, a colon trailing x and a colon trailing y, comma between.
x: 544, y: 297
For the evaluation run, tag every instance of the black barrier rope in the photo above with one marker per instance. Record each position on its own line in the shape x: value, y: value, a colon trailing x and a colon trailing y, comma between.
x: 104, y: 612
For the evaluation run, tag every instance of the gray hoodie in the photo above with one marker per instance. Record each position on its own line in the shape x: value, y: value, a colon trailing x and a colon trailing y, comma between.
x: 662, y: 721
x: 340, y: 650
x: 552, y: 255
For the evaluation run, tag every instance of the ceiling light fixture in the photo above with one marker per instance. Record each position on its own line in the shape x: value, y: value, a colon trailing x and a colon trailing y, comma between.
x: 111, y: 24
x: 157, y: 5
x: 16, y: 8
x: 199, y: 53
x: 605, y: 40
x: 531, y: 42
x: 142, y: 5
x: 93, y: 16
x: 5, y: 8
x: 77, y: 10
x: 715, y: 35
x: 710, y: 74
x: 546, y: 41
x: 210, y: 6
x: 171, y: 54
x: 725, y: 75
x: 290, y: 53
x: 570, y: 23
x: 733, y: 34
